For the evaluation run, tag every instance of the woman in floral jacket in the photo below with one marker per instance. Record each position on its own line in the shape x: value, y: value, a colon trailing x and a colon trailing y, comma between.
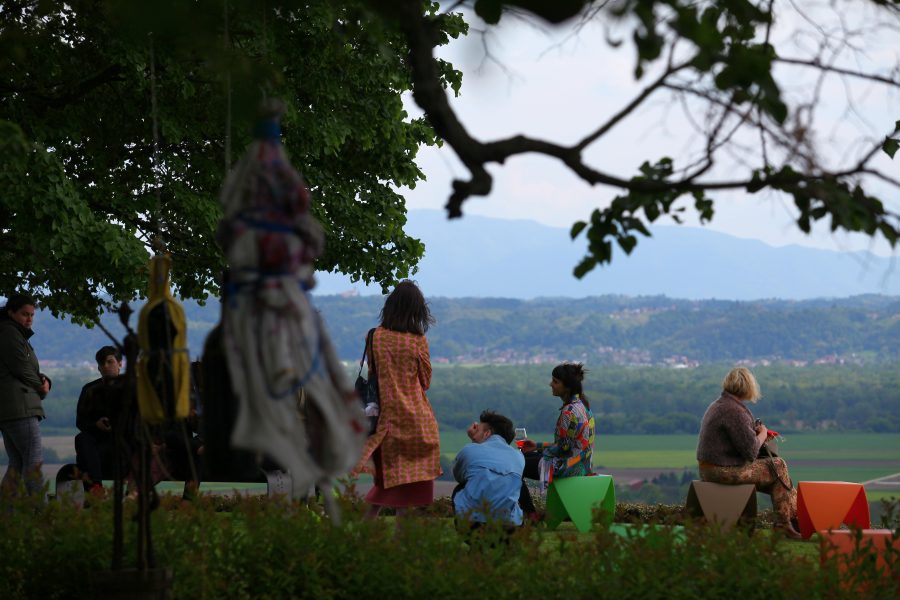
x: 571, y: 452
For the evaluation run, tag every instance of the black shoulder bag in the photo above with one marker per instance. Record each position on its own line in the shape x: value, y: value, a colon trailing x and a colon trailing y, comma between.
x: 368, y: 388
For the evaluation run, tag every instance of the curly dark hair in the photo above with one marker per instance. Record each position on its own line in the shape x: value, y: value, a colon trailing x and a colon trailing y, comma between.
x: 406, y: 311
x: 499, y: 424
x: 571, y: 374
x: 15, y: 302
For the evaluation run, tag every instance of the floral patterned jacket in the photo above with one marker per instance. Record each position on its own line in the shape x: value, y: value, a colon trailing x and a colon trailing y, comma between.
x: 572, y: 450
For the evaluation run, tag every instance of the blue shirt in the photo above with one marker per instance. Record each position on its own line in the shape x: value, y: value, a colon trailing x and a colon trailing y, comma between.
x: 492, y: 474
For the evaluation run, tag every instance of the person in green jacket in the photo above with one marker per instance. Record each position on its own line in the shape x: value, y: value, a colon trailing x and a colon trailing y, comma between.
x: 22, y: 388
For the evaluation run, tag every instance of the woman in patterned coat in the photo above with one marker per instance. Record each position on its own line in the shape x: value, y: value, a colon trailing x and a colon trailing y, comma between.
x: 405, y: 448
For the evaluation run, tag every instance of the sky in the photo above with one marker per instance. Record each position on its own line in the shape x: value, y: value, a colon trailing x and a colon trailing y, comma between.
x: 558, y: 84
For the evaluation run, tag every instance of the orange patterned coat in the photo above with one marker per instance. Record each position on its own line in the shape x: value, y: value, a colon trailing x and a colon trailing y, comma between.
x: 407, y: 430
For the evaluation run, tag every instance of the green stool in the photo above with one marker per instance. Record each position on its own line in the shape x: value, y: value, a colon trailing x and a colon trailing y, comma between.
x: 576, y: 498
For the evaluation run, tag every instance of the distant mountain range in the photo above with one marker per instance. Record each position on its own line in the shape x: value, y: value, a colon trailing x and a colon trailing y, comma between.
x: 503, y: 291
x: 484, y: 257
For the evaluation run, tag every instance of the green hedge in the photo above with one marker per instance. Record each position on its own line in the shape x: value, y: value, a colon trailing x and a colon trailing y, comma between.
x: 253, y: 547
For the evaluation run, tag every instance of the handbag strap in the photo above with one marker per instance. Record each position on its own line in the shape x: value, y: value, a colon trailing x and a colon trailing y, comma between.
x: 770, y: 461
x: 370, y: 338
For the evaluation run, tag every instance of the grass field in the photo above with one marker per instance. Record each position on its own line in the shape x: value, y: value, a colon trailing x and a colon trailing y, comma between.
x: 854, y: 457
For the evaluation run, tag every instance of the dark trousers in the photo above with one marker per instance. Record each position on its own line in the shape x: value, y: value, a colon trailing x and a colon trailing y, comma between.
x: 94, y: 456
x: 531, y: 471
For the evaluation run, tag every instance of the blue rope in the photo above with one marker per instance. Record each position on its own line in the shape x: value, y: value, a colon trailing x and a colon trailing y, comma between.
x: 264, y: 225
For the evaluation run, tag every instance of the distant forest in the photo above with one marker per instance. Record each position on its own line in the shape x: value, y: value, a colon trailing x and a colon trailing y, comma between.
x: 651, y: 400
x: 639, y: 331
x: 605, y: 330
x: 659, y: 400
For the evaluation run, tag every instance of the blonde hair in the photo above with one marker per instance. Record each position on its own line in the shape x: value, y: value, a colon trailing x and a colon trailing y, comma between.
x: 741, y: 383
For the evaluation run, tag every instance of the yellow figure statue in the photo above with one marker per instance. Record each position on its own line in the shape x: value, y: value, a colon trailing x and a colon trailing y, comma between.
x: 163, y: 366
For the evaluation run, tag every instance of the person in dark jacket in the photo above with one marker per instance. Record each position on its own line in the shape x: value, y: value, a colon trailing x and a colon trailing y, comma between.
x: 729, y: 445
x: 22, y: 389
x: 94, y: 417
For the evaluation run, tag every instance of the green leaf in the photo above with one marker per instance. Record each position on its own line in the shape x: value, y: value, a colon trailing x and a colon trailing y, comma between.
x: 584, y: 267
x: 628, y: 243
x: 577, y: 228
x: 890, y: 146
x: 489, y: 10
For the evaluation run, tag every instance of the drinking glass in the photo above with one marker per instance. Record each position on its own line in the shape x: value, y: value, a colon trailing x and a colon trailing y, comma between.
x: 521, y: 436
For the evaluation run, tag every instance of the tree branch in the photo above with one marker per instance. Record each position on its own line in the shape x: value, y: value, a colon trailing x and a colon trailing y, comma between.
x: 631, y: 106
x: 814, y: 63
x: 81, y: 89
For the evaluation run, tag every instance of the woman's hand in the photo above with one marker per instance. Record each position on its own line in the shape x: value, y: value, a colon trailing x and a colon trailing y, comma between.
x: 762, y: 433
x: 529, y: 446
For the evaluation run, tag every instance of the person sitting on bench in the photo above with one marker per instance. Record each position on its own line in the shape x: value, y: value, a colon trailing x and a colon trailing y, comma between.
x: 94, y: 418
x: 489, y: 472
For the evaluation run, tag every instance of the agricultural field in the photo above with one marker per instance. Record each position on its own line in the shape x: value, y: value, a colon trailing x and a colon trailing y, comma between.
x: 857, y: 457
x: 827, y: 456
x: 852, y: 456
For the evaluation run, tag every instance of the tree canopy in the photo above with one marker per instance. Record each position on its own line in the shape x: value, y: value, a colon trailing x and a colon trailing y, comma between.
x: 118, y: 120
x: 719, y: 60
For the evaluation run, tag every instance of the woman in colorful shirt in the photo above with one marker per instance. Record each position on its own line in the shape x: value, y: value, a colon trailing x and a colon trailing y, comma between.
x: 405, y: 448
x: 571, y: 453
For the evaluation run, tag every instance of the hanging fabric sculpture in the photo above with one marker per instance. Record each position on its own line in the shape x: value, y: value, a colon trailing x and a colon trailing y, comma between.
x: 163, y: 366
x: 276, y: 345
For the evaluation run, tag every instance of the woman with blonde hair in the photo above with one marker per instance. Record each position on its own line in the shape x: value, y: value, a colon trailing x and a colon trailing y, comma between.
x: 405, y: 448
x: 729, y: 444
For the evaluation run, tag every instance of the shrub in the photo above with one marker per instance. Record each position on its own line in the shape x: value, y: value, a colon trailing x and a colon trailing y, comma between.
x: 243, y: 547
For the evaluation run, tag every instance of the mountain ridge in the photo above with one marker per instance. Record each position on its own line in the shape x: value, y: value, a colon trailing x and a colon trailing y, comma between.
x: 486, y: 257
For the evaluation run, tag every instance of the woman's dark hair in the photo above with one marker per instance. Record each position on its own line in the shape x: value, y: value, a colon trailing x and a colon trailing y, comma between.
x: 571, y: 375
x: 405, y: 310
x: 15, y: 302
x: 499, y: 424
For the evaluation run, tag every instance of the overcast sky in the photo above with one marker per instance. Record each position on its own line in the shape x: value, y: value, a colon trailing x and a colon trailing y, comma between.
x: 559, y: 85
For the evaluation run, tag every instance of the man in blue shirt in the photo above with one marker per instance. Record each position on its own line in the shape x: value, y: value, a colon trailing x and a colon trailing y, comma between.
x: 489, y: 472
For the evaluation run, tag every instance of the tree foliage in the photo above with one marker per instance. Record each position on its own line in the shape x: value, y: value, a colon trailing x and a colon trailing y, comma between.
x: 719, y: 59
x: 118, y: 119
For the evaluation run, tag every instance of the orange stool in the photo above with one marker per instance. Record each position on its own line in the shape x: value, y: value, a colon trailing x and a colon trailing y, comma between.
x: 841, y: 546
x: 828, y: 504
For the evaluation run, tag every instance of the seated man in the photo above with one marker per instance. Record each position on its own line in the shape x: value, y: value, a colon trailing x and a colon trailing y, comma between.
x: 489, y: 472
x: 94, y: 419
